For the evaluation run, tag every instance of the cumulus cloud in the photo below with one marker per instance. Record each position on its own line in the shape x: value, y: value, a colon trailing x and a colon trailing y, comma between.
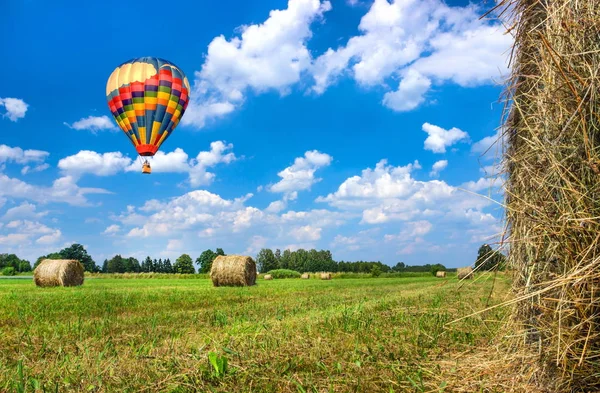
x: 410, y: 93
x: 489, y: 144
x: 94, y: 124
x: 20, y: 156
x: 439, y: 139
x: 112, y: 230
x: 301, y: 175
x: 86, y: 161
x: 24, y: 210
x: 423, y: 42
x: 23, y: 232
x: 63, y: 189
x: 305, y: 233
x: 267, y: 56
x: 438, y: 167
x: 15, y: 108
x: 387, y: 193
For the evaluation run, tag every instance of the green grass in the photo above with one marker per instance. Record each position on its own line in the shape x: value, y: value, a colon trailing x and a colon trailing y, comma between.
x: 173, y: 335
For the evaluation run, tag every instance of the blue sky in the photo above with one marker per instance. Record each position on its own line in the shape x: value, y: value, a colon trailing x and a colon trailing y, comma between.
x: 355, y: 126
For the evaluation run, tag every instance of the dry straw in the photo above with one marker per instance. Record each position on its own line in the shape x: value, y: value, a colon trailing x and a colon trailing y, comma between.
x: 233, y: 271
x: 325, y: 276
x: 58, y: 272
x: 268, y: 277
x: 305, y: 276
x: 440, y: 274
x: 552, y: 131
x: 464, y: 273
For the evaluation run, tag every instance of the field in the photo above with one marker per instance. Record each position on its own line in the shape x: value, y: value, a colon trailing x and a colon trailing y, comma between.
x: 176, y: 335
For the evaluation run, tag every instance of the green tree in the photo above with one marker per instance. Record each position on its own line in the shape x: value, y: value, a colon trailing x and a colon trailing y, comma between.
x: 278, y: 256
x: 78, y: 252
x: 220, y: 251
x: 485, y: 258
x: 184, y: 264
x: 375, y: 271
x: 266, y: 260
x: 437, y: 267
x: 286, y: 260
x: 116, y: 264
x: 205, y: 260
x: 167, y: 266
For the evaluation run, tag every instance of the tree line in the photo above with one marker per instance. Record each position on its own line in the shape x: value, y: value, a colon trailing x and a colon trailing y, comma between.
x: 10, y: 264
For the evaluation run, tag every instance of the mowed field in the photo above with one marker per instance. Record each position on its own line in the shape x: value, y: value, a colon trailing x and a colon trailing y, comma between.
x: 157, y: 335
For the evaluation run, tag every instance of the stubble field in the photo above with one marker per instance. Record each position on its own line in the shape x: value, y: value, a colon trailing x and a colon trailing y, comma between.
x: 177, y: 335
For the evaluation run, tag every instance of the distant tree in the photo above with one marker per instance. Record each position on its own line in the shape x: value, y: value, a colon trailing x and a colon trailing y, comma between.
x: 399, y: 267
x: 205, y: 260
x: 375, y: 271
x: 154, y: 265
x: 278, y: 256
x: 105, y: 266
x: 167, y: 266
x: 147, y: 264
x: 220, y: 251
x: 266, y: 260
x: 116, y: 264
x: 133, y: 265
x: 487, y: 258
x: 78, y: 252
x: 285, y: 262
x: 159, y: 266
x: 184, y: 264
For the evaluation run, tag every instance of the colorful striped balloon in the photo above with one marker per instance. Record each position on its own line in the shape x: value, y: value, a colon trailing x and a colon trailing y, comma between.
x: 147, y: 97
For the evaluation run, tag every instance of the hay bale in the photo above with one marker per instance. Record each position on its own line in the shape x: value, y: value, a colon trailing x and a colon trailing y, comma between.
x: 552, y: 161
x: 268, y: 277
x: 325, y: 276
x: 233, y: 271
x: 440, y: 274
x: 58, y: 272
x: 464, y: 273
x: 305, y: 276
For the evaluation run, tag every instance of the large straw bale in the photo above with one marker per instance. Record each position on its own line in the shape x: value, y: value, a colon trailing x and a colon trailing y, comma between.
x: 305, y: 276
x: 268, y: 277
x: 465, y: 273
x: 58, y: 272
x: 233, y: 271
x: 440, y: 274
x: 325, y: 276
x: 552, y: 158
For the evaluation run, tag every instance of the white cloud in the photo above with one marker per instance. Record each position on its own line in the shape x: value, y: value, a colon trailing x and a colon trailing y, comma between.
x: 276, y: 207
x: 39, y: 168
x: 439, y: 139
x: 425, y: 41
x: 438, y: 167
x: 20, y: 156
x: 64, y: 189
x: 52, y: 238
x: 305, y: 233
x: 15, y: 108
x: 411, y: 230
x: 24, y: 210
x: 301, y: 175
x: 410, y: 93
x: 94, y: 124
x: 489, y: 144
x: 87, y: 161
x: 111, y: 230
x: 175, y: 245
x: 389, y: 193
x: 268, y: 56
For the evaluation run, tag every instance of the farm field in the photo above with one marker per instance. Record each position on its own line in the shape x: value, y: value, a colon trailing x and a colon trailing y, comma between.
x: 157, y: 335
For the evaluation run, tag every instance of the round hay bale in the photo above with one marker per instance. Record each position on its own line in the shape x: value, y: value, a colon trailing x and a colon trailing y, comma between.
x: 268, y: 277
x: 305, y: 276
x: 58, y: 272
x: 440, y: 273
x: 233, y: 271
x: 465, y: 273
x: 325, y: 276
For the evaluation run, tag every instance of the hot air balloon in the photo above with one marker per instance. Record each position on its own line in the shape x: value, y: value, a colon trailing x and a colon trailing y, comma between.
x: 147, y: 97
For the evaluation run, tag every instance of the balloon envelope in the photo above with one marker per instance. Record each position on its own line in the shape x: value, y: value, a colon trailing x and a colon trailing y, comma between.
x: 147, y: 97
